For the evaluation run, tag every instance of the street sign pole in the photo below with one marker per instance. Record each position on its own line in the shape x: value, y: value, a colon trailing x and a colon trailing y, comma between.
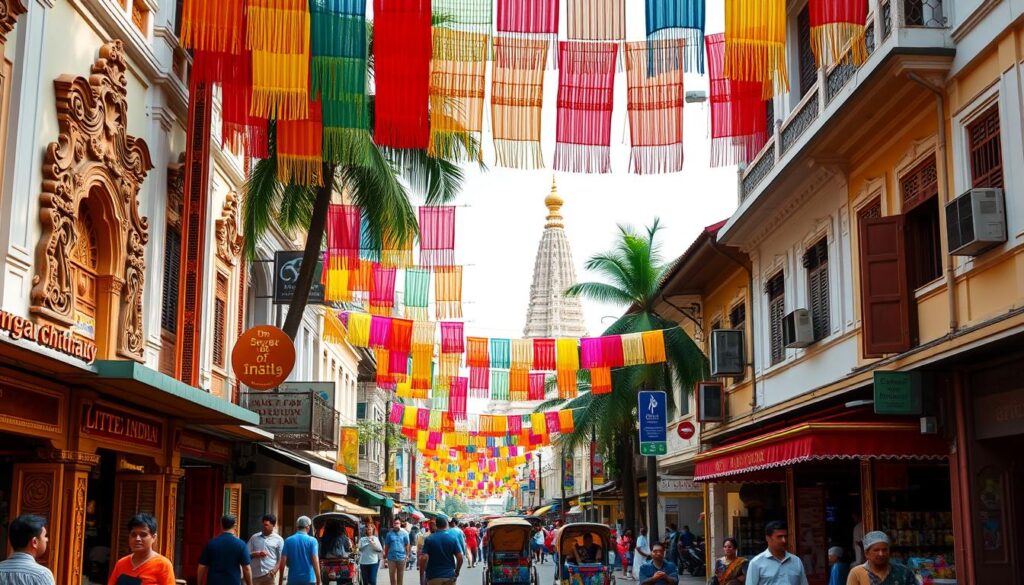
x: 652, y: 411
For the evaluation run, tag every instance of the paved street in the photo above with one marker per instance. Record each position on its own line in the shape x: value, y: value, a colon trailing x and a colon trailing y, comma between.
x: 546, y: 571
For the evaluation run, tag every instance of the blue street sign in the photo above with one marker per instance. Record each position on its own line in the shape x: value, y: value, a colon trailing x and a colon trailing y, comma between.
x: 653, y: 411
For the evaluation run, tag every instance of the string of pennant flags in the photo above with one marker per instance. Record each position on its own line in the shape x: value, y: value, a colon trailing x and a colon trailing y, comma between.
x: 301, y: 67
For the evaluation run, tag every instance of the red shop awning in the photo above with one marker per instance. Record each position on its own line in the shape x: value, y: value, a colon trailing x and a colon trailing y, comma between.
x: 820, y: 441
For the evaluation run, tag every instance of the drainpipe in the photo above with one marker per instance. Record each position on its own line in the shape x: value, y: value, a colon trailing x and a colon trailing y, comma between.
x: 940, y: 155
x: 713, y: 242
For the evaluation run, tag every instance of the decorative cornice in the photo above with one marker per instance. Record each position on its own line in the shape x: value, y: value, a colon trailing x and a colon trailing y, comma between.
x: 817, y: 180
x: 10, y: 10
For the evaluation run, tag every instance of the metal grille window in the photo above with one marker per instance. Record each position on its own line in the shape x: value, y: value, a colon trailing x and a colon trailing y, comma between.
x: 986, y: 150
x: 805, y: 54
x: 775, y: 289
x: 816, y: 263
x: 220, y: 316
x: 738, y: 320
x: 172, y: 267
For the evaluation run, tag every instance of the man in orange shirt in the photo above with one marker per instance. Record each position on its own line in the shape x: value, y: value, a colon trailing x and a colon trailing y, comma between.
x: 144, y: 566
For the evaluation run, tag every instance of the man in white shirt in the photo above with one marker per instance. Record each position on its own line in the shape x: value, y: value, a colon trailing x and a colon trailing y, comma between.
x: 858, y: 540
x: 28, y: 540
x: 642, y: 553
x: 265, y: 548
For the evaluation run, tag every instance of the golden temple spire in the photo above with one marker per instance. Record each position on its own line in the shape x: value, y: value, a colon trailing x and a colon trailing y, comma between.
x: 554, y: 204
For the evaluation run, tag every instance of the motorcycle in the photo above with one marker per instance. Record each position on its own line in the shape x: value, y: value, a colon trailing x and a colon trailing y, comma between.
x: 692, y: 558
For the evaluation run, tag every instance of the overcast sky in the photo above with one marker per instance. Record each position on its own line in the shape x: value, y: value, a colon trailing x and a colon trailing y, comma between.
x: 500, y: 225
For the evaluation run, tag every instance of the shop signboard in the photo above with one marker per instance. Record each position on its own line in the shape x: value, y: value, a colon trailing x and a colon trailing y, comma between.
x: 678, y: 484
x: 263, y: 357
x: 652, y: 407
x: 48, y: 336
x: 100, y: 420
x: 286, y: 277
x: 324, y: 390
x: 282, y: 413
x: 897, y: 393
x: 999, y: 415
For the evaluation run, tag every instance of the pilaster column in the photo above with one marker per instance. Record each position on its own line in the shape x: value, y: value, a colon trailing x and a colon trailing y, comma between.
x: 169, y: 511
x: 68, y: 528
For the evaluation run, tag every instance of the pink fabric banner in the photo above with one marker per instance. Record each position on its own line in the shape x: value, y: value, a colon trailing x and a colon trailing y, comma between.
x: 452, y: 340
x: 586, y: 95
x: 437, y: 235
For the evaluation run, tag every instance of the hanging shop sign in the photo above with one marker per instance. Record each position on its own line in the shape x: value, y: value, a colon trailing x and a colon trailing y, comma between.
x: 568, y: 473
x: 677, y: 484
x: 686, y: 430
x: 999, y: 415
x: 48, y: 336
x: 263, y: 357
x: 127, y: 427
x: 348, y: 451
x: 286, y: 277
x: 283, y: 412
x: 897, y: 392
x: 324, y: 390
x: 652, y: 407
x: 596, y: 464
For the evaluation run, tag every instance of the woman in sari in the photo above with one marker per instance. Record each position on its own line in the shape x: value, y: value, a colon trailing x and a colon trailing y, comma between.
x: 730, y: 569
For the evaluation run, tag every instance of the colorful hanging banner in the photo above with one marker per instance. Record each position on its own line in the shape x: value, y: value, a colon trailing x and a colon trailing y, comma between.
x: 738, y: 117
x: 457, y: 72
x: 382, y: 297
x: 654, y: 72
x: 500, y: 385
x: 401, y: 50
x: 544, y: 354
x: 278, y: 35
x: 300, y: 147
x: 517, y: 97
x: 448, y: 292
x: 679, y: 20
x: 348, y: 451
x: 437, y: 235
x: 417, y: 293
x: 596, y: 20
x: 465, y: 15
x: 452, y: 340
x: 755, y: 44
x: 343, y: 223
x: 838, y: 30
x: 529, y: 18
x: 586, y: 84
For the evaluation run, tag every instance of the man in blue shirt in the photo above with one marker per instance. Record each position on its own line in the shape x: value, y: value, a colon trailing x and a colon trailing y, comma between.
x: 301, y: 555
x: 441, y: 557
x: 225, y: 560
x: 658, y: 571
x: 776, y: 565
x: 840, y: 570
x: 396, y: 551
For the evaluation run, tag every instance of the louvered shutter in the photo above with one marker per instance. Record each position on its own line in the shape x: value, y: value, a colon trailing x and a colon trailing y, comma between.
x: 808, y: 66
x: 220, y: 320
x: 233, y: 499
x: 172, y: 268
x: 133, y: 495
x: 816, y: 263
x: 986, y: 150
x: 886, y: 309
x: 776, y: 312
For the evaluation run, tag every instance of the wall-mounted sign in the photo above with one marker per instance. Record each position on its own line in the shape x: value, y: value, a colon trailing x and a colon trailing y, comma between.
x: 686, y: 430
x: 112, y: 423
x: 653, y: 412
x: 286, y: 276
x: 999, y: 415
x: 48, y: 336
x: 897, y: 392
x: 263, y: 357
x: 596, y: 464
x: 325, y: 390
x: 283, y: 413
x: 677, y: 484
x: 348, y: 451
x: 568, y: 473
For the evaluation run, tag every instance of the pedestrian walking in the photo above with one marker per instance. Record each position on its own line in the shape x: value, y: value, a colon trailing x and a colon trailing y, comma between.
x: 658, y: 571
x: 456, y: 531
x: 144, y: 566
x: 225, y: 559
x: 370, y: 550
x: 396, y: 552
x: 878, y: 569
x: 441, y: 559
x: 537, y: 543
x: 672, y: 544
x: 472, y: 543
x: 414, y: 532
x: 642, y: 553
x: 776, y: 565
x: 28, y: 538
x: 301, y: 556
x: 265, y: 548
x: 838, y: 571
x: 730, y: 569
x: 625, y: 550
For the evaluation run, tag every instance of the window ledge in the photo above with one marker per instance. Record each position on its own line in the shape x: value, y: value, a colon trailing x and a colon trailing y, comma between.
x: 928, y: 289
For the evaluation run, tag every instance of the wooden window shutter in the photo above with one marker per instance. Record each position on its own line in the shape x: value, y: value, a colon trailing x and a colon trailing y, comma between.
x: 816, y: 263
x: 220, y: 320
x: 805, y: 54
x: 233, y: 499
x: 776, y: 291
x: 920, y: 184
x: 886, y: 309
x: 986, y: 150
x: 136, y: 494
x: 172, y: 268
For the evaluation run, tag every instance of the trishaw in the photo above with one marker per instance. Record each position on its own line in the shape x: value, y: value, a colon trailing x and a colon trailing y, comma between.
x: 568, y: 537
x: 344, y: 569
x: 508, y: 560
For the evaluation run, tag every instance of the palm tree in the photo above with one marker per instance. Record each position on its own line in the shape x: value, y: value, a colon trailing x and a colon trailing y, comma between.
x: 378, y: 179
x: 632, y: 274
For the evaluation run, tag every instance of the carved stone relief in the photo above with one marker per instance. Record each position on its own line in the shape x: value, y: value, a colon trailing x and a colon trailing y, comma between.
x: 229, y: 241
x: 9, y: 12
x: 94, y: 158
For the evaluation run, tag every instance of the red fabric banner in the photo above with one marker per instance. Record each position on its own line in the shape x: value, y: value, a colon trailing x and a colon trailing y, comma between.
x: 586, y: 94
x: 382, y: 297
x: 343, y: 223
x: 480, y: 379
x: 535, y: 389
x: 611, y: 351
x: 820, y: 441
x: 401, y: 50
x: 437, y: 235
x: 458, y: 398
x: 544, y: 354
x: 837, y: 30
x: 528, y: 16
x: 452, y: 340
x: 738, y: 116
x: 401, y: 335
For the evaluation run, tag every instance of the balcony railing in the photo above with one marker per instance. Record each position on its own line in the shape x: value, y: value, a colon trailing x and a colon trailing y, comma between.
x: 299, y: 420
x: 909, y: 14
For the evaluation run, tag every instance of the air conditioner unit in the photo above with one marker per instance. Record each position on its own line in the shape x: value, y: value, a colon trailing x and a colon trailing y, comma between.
x: 975, y: 222
x: 797, y: 329
x: 727, y: 352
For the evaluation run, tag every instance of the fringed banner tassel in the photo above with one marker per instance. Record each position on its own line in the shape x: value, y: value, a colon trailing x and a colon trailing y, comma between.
x: 402, y: 50
x: 838, y: 30
x: 457, y: 72
x: 382, y: 297
x: 448, y: 292
x: 738, y: 116
x: 277, y: 32
x: 655, y: 105
x: 437, y: 235
x: 755, y: 44
x: 396, y: 252
x: 217, y: 27
x: 517, y: 97
x: 586, y: 84
x: 417, y: 293
x: 679, y: 20
x: 596, y: 20
x: 601, y: 380
x: 300, y: 149
x: 342, y: 232
x: 567, y: 385
x: 499, y: 385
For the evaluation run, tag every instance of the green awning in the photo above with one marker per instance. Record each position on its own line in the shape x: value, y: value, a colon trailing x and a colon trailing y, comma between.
x: 139, y: 385
x: 371, y: 498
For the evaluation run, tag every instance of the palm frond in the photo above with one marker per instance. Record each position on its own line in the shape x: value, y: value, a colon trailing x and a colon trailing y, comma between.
x: 296, y: 208
x: 383, y: 199
x: 263, y: 194
x: 600, y: 292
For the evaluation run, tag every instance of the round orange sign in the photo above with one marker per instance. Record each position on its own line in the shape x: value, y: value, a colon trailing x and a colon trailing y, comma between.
x: 263, y: 357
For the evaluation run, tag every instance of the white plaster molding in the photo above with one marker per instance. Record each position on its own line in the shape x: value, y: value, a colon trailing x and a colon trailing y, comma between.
x: 974, y: 19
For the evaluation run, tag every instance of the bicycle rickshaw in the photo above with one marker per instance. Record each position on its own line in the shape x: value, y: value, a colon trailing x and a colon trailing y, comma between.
x: 508, y: 560
x: 570, y: 536
x: 341, y: 569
